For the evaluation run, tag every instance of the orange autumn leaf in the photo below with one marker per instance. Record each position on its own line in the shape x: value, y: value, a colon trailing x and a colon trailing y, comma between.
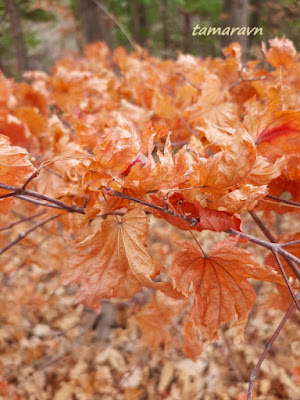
x: 239, y: 200
x: 192, y: 345
x: 281, y: 52
x: 275, y: 131
x: 113, y: 262
x: 227, y: 167
x: 169, y: 171
x: 36, y: 122
x: 263, y: 171
x: 220, y: 287
x: 15, y: 168
x: 296, y: 372
x: 117, y: 151
x: 155, y: 320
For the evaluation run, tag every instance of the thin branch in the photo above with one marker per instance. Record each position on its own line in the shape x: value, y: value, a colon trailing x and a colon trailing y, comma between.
x: 286, y: 280
x: 188, y: 81
x: 241, y: 79
x: 192, y: 132
x: 293, y: 203
x: 290, y: 243
x: 22, y: 235
x: 193, y: 221
x: 268, y: 245
x: 19, y: 191
x: 166, y: 209
x: 262, y: 227
x: 38, y: 202
x: 65, y: 123
x: 272, y: 239
x: 21, y: 221
x: 266, y: 350
x: 34, y: 175
x: 104, y: 9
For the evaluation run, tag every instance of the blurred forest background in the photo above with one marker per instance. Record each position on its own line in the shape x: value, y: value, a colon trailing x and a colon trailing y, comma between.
x: 33, y: 34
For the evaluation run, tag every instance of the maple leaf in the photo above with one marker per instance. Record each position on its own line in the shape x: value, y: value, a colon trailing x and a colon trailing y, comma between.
x: 281, y: 53
x: 275, y: 132
x: 220, y: 287
x: 155, y: 319
x: 227, y: 167
x: 113, y: 262
x: 117, y: 151
x: 263, y: 171
x: 168, y: 172
x: 213, y: 104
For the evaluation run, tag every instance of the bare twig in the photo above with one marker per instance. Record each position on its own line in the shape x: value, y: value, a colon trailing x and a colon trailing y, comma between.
x: 293, y: 203
x: 188, y: 81
x: 271, y: 246
x: 192, y: 132
x: 290, y: 243
x: 286, y: 280
x: 38, y: 202
x: 104, y: 9
x: 22, y: 235
x: 241, y: 79
x: 272, y: 239
x: 22, y: 220
x: 166, y: 209
x: 267, y: 349
x: 262, y: 227
x: 34, y: 175
x: 20, y: 191
x: 66, y: 124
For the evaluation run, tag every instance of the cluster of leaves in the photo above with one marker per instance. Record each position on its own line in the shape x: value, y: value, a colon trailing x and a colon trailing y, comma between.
x: 197, y: 142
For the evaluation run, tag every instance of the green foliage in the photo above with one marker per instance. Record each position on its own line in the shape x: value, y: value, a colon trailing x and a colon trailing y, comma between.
x: 39, y: 15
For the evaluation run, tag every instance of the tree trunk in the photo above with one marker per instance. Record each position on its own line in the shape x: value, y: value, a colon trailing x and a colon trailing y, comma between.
x: 142, y: 23
x: 255, y: 12
x: 19, y: 42
x: 164, y: 8
x: 186, y: 31
x: 236, y: 15
x: 94, y: 22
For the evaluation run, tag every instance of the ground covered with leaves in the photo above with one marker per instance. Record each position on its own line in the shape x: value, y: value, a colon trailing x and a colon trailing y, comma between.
x: 51, y: 349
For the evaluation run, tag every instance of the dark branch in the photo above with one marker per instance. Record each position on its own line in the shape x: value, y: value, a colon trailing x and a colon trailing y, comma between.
x: 20, y: 191
x: 290, y: 243
x: 22, y: 235
x: 292, y: 203
x: 272, y: 239
x: 267, y: 349
x: 166, y: 209
x: 286, y: 280
x: 271, y: 246
x: 22, y: 220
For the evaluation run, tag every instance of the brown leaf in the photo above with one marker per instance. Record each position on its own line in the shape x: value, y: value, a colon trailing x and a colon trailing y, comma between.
x: 220, y: 287
x: 113, y: 262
